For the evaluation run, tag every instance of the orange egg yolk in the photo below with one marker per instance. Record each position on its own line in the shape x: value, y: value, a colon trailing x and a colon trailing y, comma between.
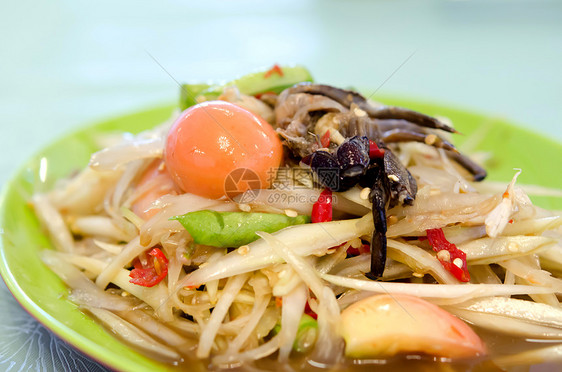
x: 217, y: 149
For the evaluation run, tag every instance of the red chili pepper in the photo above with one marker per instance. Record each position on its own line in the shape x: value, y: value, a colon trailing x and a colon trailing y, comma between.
x: 275, y: 69
x: 365, y: 248
x: 438, y: 242
x: 374, y: 150
x: 325, y: 140
x: 308, y: 311
x: 259, y: 95
x: 322, y: 209
x: 151, y: 273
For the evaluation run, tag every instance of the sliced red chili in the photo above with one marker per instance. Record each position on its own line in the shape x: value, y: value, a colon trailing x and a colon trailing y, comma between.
x: 455, y: 261
x: 152, y: 272
x: 275, y: 69
x: 322, y: 209
x: 374, y: 150
x: 364, y: 249
x: 259, y: 95
x: 308, y: 311
x: 325, y: 140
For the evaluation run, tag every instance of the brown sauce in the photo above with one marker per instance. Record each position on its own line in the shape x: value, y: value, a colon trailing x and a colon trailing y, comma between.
x: 498, y: 345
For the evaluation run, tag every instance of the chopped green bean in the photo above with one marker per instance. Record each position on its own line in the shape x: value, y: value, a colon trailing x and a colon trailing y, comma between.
x: 251, y: 84
x: 233, y: 229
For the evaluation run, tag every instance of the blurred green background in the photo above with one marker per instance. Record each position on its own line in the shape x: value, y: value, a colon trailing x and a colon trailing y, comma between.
x: 68, y: 63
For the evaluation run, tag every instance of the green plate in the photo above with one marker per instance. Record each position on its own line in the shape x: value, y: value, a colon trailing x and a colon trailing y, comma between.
x: 43, y: 295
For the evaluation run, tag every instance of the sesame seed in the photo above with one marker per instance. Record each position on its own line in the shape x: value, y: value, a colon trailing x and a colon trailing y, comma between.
x: 444, y: 255
x: 513, y: 247
x: 434, y: 191
x: 430, y: 139
x: 244, y: 207
x: 391, y: 220
x: 393, y: 177
x: 458, y: 262
x: 291, y: 213
x: 359, y: 113
x: 243, y: 250
x: 364, y: 195
x: 418, y: 275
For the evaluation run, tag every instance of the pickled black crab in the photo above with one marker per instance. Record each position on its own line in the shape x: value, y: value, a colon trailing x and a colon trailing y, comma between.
x: 305, y: 112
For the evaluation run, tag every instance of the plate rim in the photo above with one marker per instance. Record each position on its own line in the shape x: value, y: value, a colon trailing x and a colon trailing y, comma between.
x: 66, y: 333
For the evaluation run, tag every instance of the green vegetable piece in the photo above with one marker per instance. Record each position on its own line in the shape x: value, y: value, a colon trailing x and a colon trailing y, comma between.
x: 256, y: 82
x: 233, y: 229
x: 306, y: 334
x: 189, y: 93
x: 250, y: 84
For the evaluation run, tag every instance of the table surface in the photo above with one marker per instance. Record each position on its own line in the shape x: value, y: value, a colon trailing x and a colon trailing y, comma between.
x: 65, y: 64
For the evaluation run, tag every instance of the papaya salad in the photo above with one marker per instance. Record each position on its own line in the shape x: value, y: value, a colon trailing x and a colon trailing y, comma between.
x: 276, y: 221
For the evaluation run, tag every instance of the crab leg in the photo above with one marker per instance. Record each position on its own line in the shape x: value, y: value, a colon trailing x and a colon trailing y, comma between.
x: 391, y: 112
x: 403, y: 135
x: 398, y: 130
x: 385, y: 125
x: 379, y: 197
x: 342, y: 96
x: 397, y: 135
x: 347, y: 97
x: 478, y: 173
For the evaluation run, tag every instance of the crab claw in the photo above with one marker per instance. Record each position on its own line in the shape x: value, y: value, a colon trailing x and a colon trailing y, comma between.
x: 353, y: 156
x: 341, y: 170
